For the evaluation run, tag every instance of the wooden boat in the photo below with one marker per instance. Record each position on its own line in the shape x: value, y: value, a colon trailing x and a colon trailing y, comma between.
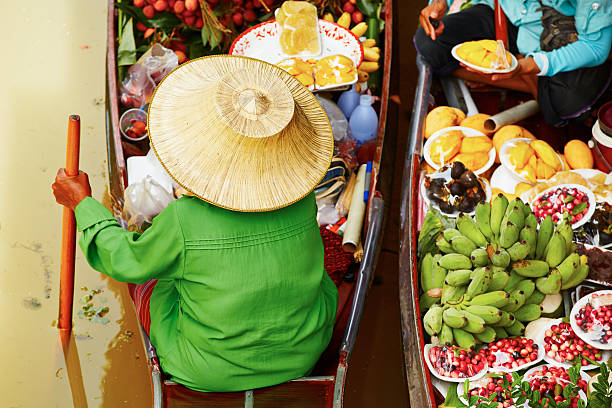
x: 419, y: 381
x: 325, y: 386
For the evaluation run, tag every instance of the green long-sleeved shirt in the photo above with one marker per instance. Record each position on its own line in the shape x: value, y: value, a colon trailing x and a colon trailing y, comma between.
x: 243, y: 300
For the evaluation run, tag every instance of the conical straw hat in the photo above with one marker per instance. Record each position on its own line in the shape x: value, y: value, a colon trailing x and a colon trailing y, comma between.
x: 240, y: 133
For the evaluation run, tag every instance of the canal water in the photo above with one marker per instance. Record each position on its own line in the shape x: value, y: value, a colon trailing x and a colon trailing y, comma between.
x: 52, y: 65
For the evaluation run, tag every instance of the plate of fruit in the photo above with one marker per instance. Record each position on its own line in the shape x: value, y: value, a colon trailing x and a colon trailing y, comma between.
x: 454, y: 189
x: 486, y: 56
x: 454, y: 364
x: 573, y: 201
x: 545, y: 372
x: 530, y: 160
x: 458, y: 143
x: 511, y: 354
x: 563, y: 348
x: 591, y: 319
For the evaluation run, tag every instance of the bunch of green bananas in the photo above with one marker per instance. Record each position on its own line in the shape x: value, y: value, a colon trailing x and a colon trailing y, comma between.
x: 493, y: 271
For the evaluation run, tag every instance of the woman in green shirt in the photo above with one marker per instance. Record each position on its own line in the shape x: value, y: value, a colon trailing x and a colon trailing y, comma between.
x: 242, y: 299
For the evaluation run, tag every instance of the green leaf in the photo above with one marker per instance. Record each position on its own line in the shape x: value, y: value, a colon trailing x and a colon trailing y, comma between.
x: 126, y: 52
x: 568, y: 199
x: 216, y: 36
x: 452, y: 399
x: 466, y: 387
x: 205, y: 34
x: 574, y: 374
x: 165, y: 20
x: 579, y: 208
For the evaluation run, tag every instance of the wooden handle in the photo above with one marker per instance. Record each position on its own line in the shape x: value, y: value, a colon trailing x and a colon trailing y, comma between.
x: 69, y: 230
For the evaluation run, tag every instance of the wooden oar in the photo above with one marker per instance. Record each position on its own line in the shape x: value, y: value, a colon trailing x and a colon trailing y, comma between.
x: 69, y: 230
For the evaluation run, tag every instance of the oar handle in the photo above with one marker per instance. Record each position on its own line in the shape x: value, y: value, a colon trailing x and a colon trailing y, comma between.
x: 69, y: 230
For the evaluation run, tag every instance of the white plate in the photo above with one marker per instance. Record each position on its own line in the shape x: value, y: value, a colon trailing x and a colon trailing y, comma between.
x: 503, y: 158
x: 605, y: 355
x: 487, y: 190
x: 500, y: 369
x: 468, y: 132
x: 513, y: 63
x: 589, y: 194
x: 583, y: 335
x: 261, y: 42
x: 457, y: 380
x: 530, y: 373
x: 505, y: 180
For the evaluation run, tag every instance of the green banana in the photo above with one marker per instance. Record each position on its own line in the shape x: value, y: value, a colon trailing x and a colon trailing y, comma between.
x: 480, y: 282
x: 455, y: 261
x: 516, y: 300
x: 531, y: 221
x: 498, y: 209
x: 566, y: 231
x: 468, y: 227
x: 452, y: 295
x: 544, y: 234
x: 490, y: 314
x: 569, y: 266
x: 445, y: 337
x: 506, y: 319
x: 536, y: 298
x: 514, y: 205
x: 426, y: 301
x: 463, y: 338
x: 527, y: 286
x: 463, y: 245
x: 508, y: 235
x: 498, y: 298
x: 482, y: 215
x: 551, y: 284
x: 426, y: 271
x: 555, y: 251
x: 475, y: 324
x: 577, y: 278
x: 530, y: 235
x: 454, y: 318
x: 432, y: 321
x: 528, y: 313
x: 517, y: 217
x: 458, y: 277
x: 516, y: 329
x: 530, y: 268
x: 443, y: 245
x: 450, y: 233
x: 519, y: 251
x: 514, y: 280
x: 487, y: 336
x: 479, y: 257
x: 499, y: 280
x: 500, y: 258
x: 527, y: 211
x: 500, y: 332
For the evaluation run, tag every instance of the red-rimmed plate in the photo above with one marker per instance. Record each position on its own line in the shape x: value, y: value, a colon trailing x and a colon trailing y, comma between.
x: 261, y: 42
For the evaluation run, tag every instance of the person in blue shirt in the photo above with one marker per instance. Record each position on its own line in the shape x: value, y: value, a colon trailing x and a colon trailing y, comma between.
x: 566, y: 70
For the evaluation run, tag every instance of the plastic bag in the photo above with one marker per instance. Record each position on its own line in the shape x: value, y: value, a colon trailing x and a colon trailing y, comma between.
x: 337, y: 119
x: 143, y: 201
x: 142, y: 78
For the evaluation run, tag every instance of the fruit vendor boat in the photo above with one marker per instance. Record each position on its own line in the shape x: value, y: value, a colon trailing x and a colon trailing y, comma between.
x: 464, y: 281
x: 325, y: 386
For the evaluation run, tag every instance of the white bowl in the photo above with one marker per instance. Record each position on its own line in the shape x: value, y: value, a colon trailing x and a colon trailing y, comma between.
x: 579, y: 332
x: 500, y: 369
x: 529, y: 374
x: 513, y: 63
x: 457, y: 380
x: 605, y: 355
x: 486, y: 188
x: 589, y: 194
x: 503, y: 158
x: 505, y: 180
x: 468, y: 132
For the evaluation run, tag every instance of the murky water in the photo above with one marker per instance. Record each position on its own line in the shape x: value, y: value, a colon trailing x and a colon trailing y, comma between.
x: 52, y: 65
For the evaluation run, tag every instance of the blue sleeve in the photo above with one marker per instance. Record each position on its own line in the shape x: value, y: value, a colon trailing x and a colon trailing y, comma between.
x: 589, y: 51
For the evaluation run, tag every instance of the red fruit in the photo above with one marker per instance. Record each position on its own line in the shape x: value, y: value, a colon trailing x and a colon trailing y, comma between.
x: 171, y: 4
x: 248, y: 5
x: 191, y: 5
x: 357, y: 17
x: 149, y: 32
x: 148, y: 11
x: 249, y: 16
x: 181, y: 56
x: 139, y: 3
x: 141, y: 27
x: 348, y: 7
x: 160, y: 5
x: 238, y: 2
x: 199, y: 22
x: 179, y: 7
x: 188, y: 13
x: 190, y: 21
x: 237, y: 17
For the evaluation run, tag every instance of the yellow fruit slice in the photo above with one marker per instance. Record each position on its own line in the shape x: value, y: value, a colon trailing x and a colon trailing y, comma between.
x: 445, y: 147
x: 546, y: 153
x: 519, y: 155
x: 476, y: 144
x: 506, y: 133
x: 473, y: 161
x: 544, y: 171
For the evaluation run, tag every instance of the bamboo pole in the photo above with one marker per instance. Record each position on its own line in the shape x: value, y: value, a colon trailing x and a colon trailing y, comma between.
x: 69, y: 230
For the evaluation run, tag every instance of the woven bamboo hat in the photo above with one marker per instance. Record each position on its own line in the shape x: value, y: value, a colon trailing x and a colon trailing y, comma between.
x: 240, y: 133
